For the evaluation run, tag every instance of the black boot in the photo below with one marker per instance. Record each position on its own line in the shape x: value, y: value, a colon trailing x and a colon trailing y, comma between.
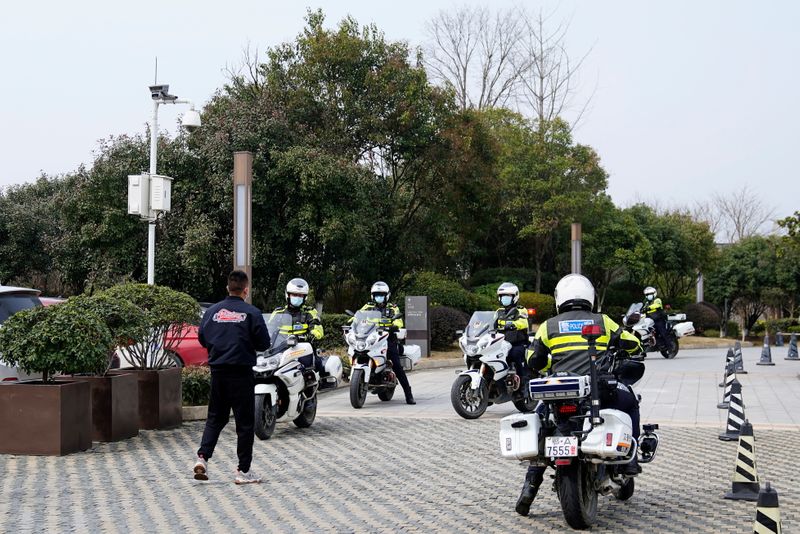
x: 529, y: 490
x: 632, y: 468
x: 410, y: 398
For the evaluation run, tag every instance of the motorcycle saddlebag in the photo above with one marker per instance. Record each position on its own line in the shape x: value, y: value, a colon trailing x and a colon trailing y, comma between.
x: 410, y: 356
x: 611, y: 439
x: 519, y: 436
x: 333, y: 366
x: 684, y: 329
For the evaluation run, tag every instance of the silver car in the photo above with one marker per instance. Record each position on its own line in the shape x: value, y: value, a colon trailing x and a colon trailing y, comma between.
x: 12, y: 300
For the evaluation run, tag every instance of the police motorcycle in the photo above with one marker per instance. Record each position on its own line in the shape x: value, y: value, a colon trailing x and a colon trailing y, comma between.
x: 636, y: 321
x: 367, y: 338
x: 489, y: 378
x: 285, y: 390
x: 586, y: 445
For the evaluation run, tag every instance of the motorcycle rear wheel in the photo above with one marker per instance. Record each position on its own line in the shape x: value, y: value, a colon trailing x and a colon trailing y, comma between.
x: 358, y: 389
x: 469, y: 403
x: 672, y: 350
x: 307, y: 416
x: 386, y: 394
x: 577, y: 495
x: 266, y: 417
x: 626, y: 491
x: 525, y: 404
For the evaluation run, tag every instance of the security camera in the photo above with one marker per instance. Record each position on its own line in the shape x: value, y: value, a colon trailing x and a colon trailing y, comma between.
x: 191, y: 120
x: 160, y: 92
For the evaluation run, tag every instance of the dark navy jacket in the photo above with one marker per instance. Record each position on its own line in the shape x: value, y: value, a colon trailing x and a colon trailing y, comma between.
x: 232, y: 331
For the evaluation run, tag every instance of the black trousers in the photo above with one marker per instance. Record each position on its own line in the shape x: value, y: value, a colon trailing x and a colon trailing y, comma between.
x: 625, y: 401
x: 517, y: 355
x: 660, y: 324
x: 231, y: 388
x: 393, y: 353
x: 312, y: 361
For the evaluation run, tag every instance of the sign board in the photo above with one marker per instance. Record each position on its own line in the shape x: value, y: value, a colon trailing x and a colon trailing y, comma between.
x: 417, y: 324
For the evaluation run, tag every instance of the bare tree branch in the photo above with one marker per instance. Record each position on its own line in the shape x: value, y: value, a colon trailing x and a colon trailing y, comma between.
x: 743, y: 213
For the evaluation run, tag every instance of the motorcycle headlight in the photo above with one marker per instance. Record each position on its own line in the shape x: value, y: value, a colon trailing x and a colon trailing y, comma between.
x: 484, y: 341
x: 361, y: 345
x: 472, y: 350
x: 373, y: 337
x: 269, y: 363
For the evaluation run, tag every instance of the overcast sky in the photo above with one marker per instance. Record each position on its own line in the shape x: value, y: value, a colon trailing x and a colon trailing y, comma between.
x: 689, y: 97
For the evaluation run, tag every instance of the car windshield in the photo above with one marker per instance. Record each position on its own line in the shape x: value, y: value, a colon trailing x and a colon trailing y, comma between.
x: 480, y: 323
x: 365, y: 322
x: 12, y: 303
x: 279, y: 327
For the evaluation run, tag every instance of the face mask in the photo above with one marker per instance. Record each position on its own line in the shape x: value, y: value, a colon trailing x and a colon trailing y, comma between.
x: 505, y: 300
x: 380, y: 299
x: 296, y: 301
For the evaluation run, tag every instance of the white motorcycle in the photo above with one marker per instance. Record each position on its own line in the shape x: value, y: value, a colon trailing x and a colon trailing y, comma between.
x: 285, y: 390
x: 367, y: 339
x: 643, y: 327
x: 585, y: 445
x: 489, y: 378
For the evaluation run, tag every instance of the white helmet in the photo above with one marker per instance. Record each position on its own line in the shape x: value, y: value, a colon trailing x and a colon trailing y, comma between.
x: 296, y: 286
x: 507, y: 288
x: 380, y: 288
x: 574, y: 291
x: 650, y: 293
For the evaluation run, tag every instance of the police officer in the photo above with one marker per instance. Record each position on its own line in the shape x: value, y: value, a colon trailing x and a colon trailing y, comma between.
x: 232, y: 331
x: 513, y: 319
x: 391, y: 314
x: 655, y: 311
x: 306, y: 325
x: 559, y: 346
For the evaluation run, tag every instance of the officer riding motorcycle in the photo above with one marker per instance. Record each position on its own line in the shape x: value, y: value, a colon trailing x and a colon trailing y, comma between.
x: 306, y: 326
x: 512, y: 319
x: 559, y: 347
x: 391, y: 314
x: 655, y: 311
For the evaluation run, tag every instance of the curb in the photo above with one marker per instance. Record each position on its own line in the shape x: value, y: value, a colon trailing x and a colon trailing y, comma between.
x: 194, y: 413
x: 442, y: 363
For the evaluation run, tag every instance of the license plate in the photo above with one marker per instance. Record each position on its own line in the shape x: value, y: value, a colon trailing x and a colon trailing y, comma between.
x: 560, y: 446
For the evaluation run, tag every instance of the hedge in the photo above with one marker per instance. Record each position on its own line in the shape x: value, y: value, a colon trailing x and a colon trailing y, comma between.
x: 524, y: 278
x: 195, y: 385
x: 332, y: 324
x: 444, y: 323
x: 704, y: 315
x: 442, y: 291
x: 545, y: 305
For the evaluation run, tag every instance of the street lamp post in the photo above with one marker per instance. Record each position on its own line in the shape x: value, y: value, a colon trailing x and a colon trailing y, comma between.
x: 190, y: 121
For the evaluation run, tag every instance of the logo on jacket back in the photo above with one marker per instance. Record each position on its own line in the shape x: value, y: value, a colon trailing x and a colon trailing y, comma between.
x: 573, y: 327
x: 227, y: 316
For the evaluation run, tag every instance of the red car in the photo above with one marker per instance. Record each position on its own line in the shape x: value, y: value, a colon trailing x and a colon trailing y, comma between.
x: 186, y: 348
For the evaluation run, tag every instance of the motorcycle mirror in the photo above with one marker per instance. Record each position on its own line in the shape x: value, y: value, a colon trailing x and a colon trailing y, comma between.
x: 348, y: 312
x: 291, y: 341
x: 459, y: 332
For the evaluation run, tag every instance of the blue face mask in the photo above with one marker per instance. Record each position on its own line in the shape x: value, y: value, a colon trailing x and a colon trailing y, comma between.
x: 505, y: 300
x: 296, y: 301
x: 380, y: 299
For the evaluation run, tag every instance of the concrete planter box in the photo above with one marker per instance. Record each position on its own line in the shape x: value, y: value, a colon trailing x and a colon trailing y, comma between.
x: 159, y: 398
x: 51, y: 419
x: 195, y: 413
x: 115, y: 406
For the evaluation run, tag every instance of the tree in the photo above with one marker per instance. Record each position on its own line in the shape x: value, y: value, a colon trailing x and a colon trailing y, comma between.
x: 742, y: 212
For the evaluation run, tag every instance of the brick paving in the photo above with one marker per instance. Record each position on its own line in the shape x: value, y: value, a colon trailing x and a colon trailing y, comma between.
x: 373, y: 474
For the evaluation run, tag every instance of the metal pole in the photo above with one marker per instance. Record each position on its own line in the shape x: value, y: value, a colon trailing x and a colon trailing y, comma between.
x: 242, y: 214
x: 151, y: 227
x: 576, y: 248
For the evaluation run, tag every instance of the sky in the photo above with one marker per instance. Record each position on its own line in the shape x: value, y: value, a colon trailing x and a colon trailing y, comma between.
x: 687, y: 98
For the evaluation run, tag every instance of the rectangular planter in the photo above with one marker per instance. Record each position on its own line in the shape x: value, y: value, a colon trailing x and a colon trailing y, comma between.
x: 115, y: 406
x: 159, y: 398
x: 52, y: 419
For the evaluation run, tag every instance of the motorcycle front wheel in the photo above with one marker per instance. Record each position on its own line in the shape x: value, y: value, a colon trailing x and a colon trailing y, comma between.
x: 577, y: 495
x: 358, y: 389
x: 266, y: 417
x: 307, y: 416
x: 672, y: 349
x: 467, y: 402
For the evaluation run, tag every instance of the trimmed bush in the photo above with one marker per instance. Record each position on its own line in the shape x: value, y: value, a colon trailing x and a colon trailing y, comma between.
x: 195, y: 385
x: 545, y: 305
x: 332, y: 323
x: 56, y: 339
x: 704, y: 315
x: 441, y: 291
x: 444, y: 323
x: 164, y: 309
x: 732, y: 329
x: 793, y: 329
x: 523, y: 278
x: 711, y: 333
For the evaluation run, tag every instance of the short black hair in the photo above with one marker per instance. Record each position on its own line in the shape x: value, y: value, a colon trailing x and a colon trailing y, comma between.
x: 237, y: 281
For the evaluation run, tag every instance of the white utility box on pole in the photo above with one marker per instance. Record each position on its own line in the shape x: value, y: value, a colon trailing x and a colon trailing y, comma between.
x: 139, y: 195
x: 160, y: 192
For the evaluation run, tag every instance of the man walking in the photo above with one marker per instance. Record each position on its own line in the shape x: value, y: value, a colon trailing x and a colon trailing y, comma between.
x: 232, y: 331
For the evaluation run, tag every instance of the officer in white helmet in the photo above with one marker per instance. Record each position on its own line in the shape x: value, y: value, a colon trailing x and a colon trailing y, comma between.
x: 654, y: 309
x: 391, y: 314
x: 306, y: 325
x: 560, y: 346
x: 512, y: 319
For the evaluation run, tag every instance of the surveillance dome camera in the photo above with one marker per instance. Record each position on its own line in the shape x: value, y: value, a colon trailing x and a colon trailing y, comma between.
x: 191, y: 120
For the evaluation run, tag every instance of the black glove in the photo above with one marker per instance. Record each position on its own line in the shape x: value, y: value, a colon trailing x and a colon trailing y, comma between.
x: 510, y: 326
x: 394, y: 329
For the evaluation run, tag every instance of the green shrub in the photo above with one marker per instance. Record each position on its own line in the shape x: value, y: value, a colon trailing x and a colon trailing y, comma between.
x: 732, y: 329
x: 164, y: 309
x: 704, y: 315
x: 124, y: 319
x: 545, y: 305
x: 441, y: 291
x: 444, y: 323
x: 793, y: 329
x: 523, y: 278
x: 710, y: 332
x: 56, y: 339
x: 332, y: 323
x: 195, y: 385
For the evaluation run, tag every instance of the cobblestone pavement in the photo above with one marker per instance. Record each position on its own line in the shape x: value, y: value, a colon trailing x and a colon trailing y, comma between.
x: 373, y: 474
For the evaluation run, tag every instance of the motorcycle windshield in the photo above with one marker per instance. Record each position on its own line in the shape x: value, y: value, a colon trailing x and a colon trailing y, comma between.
x: 279, y: 327
x: 480, y: 323
x: 635, y: 308
x: 366, y: 322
